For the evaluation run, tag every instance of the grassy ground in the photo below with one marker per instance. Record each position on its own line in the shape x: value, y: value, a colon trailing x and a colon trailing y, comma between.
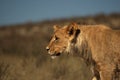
x: 23, y: 55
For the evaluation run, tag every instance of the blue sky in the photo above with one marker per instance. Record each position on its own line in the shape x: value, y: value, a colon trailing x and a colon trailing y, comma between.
x: 20, y: 11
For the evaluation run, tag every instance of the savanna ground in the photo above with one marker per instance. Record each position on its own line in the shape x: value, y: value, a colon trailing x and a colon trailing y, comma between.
x: 23, y: 55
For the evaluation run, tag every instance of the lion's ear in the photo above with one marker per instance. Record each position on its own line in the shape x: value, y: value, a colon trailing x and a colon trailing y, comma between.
x: 56, y: 27
x: 72, y: 28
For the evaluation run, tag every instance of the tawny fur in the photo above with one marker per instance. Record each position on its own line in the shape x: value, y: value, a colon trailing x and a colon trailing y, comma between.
x: 98, y: 45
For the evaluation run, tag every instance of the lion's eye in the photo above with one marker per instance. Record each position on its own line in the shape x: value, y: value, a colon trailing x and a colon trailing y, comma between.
x: 56, y: 38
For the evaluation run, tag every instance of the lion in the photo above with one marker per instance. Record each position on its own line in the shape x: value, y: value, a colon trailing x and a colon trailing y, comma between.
x: 98, y: 45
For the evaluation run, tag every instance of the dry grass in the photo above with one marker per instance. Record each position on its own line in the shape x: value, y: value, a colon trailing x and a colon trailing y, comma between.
x: 23, y: 55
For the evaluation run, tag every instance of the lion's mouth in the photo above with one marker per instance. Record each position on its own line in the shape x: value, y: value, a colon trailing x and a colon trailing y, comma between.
x: 55, y: 55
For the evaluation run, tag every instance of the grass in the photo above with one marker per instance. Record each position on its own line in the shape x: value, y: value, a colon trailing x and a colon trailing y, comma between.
x: 23, y: 55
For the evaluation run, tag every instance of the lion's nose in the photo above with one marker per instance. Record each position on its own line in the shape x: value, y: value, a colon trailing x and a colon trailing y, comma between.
x: 47, y: 48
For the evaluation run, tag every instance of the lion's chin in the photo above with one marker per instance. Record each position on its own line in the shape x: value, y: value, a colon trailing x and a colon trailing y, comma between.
x: 55, y: 56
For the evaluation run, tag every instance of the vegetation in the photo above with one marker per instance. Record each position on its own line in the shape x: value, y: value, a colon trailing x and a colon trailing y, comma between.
x: 23, y: 55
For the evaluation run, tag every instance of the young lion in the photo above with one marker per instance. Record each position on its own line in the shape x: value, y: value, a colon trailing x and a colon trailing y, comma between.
x: 96, y: 44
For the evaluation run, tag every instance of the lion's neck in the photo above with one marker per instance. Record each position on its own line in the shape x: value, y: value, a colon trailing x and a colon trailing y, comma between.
x: 83, y: 50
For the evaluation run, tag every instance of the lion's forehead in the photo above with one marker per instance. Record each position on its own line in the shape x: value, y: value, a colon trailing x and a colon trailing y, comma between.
x: 60, y: 32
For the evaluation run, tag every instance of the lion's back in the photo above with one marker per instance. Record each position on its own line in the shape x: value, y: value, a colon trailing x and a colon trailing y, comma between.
x: 104, y: 43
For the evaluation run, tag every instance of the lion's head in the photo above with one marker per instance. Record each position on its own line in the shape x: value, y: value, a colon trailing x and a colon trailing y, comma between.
x: 61, y: 39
